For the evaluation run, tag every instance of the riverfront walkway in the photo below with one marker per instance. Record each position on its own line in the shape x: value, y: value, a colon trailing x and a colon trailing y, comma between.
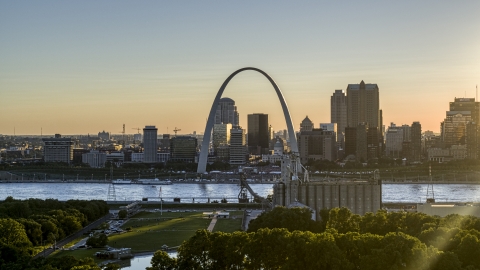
x: 212, y: 224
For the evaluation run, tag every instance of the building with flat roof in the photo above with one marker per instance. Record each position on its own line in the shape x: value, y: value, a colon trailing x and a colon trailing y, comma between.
x: 416, y: 139
x: 58, y: 149
x: 95, y: 159
x: 258, y: 136
x: 183, y: 148
x: 317, y: 144
x: 238, y: 149
x: 338, y: 113
x: 150, y: 144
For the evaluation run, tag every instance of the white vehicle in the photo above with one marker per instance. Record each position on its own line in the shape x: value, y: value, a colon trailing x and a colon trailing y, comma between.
x: 122, y: 182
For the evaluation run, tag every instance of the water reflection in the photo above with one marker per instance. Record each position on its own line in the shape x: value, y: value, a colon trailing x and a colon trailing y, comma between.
x: 201, y: 192
x: 140, y: 262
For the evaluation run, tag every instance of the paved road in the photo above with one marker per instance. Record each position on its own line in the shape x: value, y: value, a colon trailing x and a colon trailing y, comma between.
x: 72, y: 237
x: 252, y: 215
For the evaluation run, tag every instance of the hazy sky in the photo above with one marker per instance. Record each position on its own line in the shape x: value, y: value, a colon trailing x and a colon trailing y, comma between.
x: 75, y: 67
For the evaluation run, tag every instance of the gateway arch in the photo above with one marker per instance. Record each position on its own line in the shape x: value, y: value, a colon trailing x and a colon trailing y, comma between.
x: 202, y: 162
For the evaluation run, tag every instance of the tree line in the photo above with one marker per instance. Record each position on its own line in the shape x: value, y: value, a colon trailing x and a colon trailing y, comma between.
x: 289, y: 239
x: 26, y: 226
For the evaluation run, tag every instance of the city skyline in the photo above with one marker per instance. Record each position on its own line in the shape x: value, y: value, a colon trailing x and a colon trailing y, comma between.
x: 78, y: 68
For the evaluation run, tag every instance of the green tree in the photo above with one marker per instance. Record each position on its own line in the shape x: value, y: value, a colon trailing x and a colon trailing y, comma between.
x: 13, y: 233
x: 342, y: 220
x: 33, y: 230
x: 468, y: 251
x: 281, y: 217
x: 447, y: 260
x: 97, y: 240
x: 122, y: 214
x: 307, y: 250
x: 267, y: 248
x: 162, y: 261
x: 193, y: 253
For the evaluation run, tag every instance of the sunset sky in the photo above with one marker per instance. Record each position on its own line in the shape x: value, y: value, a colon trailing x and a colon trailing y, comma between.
x: 78, y: 67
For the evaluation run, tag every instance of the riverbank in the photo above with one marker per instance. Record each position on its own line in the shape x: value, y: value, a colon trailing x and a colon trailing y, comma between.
x: 236, y: 181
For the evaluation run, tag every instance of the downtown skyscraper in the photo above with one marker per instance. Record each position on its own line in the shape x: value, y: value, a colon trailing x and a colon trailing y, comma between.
x: 338, y: 113
x: 258, y: 136
x: 363, y: 105
x: 226, y: 112
x: 150, y: 144
x: 364, y: 116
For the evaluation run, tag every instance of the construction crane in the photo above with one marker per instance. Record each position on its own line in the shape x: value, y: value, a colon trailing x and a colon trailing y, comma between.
x: 138, y: 129
x: 176, y: 130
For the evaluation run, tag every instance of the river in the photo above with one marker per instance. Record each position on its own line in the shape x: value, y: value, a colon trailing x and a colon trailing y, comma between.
x: 201, y: 192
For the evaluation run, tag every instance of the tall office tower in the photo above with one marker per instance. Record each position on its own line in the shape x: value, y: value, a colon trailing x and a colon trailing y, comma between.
x: 373, y: 145
x: 393, y: 141
x: 258, y: 142
x: 306, y: 124
x: 416, y: 139
x: 183, y: 148
x: 467, y: 104
x: 362, y: 144
x: 363, y: 104
x: 338, y: 113
x: 350, y: 141
x: 333, y: 127
x: 238, y: 148
x: 406, y: 133
x: 150, y: 144
x: 58, y: 149
x: 454, y: 128
x: 317, y: 144
x: 226, y: 112
x: 471, y: 140
x: 221, y: 135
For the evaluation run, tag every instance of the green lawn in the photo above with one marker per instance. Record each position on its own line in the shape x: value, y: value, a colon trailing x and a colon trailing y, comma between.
x: 79, y: 253
x: 228, y: 225
x: 151, y: 230
x: 232, y: 224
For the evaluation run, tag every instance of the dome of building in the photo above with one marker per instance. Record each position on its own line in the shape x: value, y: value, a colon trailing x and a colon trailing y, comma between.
x: 278, y: 147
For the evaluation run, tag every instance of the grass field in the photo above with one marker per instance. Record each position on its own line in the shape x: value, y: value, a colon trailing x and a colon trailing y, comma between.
x: 151, y: 230
x: 228, y: 225
x: 79, y: 253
